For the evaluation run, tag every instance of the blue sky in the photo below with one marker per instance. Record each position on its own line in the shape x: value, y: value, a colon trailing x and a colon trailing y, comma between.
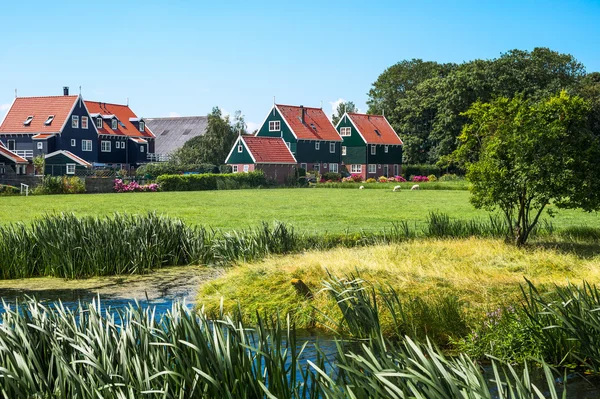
x: 184, y: 57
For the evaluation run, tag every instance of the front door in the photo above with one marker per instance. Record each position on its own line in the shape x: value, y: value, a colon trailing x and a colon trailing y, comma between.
x: 395, y: 170
x: 385, y: 170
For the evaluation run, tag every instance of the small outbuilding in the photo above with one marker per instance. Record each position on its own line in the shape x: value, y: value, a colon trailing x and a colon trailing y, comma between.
x: 11, y: 163
x: 269, y: 154
x: 60, y: 163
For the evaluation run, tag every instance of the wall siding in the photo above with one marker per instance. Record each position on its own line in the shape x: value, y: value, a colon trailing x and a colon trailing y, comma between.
x: 240, y: 157
x: 285, y: 132
x: 63, y: 141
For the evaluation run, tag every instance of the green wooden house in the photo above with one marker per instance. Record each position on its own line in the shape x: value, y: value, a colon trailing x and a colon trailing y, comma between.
x: 371, y: 147
x: 309, y: 135
x: 60, y: 163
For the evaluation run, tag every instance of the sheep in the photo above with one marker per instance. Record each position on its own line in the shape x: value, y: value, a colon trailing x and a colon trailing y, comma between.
x: 361, y: 187
x: 397, y: 188
x: 415, y: 187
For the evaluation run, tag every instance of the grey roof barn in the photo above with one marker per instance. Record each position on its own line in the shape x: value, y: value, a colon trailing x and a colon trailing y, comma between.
x: 172, y: 133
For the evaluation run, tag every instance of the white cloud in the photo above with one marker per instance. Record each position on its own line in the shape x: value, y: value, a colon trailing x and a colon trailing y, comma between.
x: 334, y: 105
x: 251, y: 126
x: 174, y: 114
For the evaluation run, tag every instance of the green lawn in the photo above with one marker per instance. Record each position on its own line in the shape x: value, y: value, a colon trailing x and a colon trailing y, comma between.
x: 309, y: 209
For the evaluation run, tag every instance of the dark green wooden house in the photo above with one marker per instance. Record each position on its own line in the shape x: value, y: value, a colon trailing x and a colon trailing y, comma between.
x: 60, y: 163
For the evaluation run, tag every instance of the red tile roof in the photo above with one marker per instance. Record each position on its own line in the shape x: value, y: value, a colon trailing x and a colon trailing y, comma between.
x: 122, y: 113
x: 40, y: 108
x: 43, y: 136
x: 268, y: 150
x: 316, y: 125
x: 11, y: 155
x: 370, y: 125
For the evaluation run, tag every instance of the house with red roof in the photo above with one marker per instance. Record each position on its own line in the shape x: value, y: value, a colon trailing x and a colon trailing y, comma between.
x: 308, y: 133
x: 11, y: 163
x: 269, y: 154
x: 371, y: 147
x: 100, y: 134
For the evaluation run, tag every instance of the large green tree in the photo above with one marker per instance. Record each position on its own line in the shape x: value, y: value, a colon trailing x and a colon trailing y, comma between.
x: 522, y: 155
x: 215, y: 144
x: 342, y: 108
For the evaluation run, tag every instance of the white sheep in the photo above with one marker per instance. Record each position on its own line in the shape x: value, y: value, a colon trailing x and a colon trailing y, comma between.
x: 415, y: 187
x: 361, y: 187
x: 397, y: 188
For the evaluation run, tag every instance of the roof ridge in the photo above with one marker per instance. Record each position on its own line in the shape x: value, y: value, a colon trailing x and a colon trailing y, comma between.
x: 69, y: 96
x: 103, y: 102
x: 358, y: 113
x: 177, y: 117
x: 298, y: 106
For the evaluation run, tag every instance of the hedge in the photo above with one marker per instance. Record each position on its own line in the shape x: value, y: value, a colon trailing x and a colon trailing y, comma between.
x: 212, y: 181
x: 420, y: 170
x: 155, y: 169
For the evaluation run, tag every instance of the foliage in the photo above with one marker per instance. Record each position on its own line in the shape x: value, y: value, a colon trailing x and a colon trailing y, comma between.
x: 333, y: 176
x: 424, y: 101
x: 432, y: 178
x: 134, y: 186
x: 521, y: 155
x: 420, y: 170
x: 382, y: 179
x: 39, y: 163
x: 211, y: 181
x: 155, y: 169
x: 6, y: 190
x: 342, y: 108
x: 370, y: 180
x: 60, y: 185
x: 420, y: 179
x: 450, y: 177
x: 214, y: 146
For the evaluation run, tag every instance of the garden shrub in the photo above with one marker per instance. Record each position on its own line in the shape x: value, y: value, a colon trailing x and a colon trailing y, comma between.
x: 432, y: 178
x: 60, y: 185
x: 420, y: 170
x: 333, y: 176
x: 370, y: 180
x: 6, y: 190
x: 212, y: 181
x: 450, y: 177
x: 225, y: 169
x: 121, y: 187
x: 382, y: 179
x: 420, y: 179
x: 155, y: 169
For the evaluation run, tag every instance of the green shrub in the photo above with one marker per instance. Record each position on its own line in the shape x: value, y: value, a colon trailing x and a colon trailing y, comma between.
x: 6, y: 190
x: 155, y: 169
x: 432, y: 178
x: 450, y: 177
x: 420, y: 170
x: 370, y: 180
x: 225, y: 169
x: 60, y: 185
x: 212, y: 181
x: 333, y: 176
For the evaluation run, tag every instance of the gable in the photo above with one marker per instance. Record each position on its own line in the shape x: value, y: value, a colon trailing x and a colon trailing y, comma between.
x: 355, y: 139
x: 236, y: 157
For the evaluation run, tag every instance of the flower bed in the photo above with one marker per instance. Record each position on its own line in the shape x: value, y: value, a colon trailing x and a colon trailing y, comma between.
x: 131, y: 187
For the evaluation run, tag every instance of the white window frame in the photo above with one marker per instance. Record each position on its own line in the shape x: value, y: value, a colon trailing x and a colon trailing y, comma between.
x: 345, y: 131
x: 73, y: 143
x: 71, y: 168
x: 303, y: 166
x: 86, y: 145
x: 49, y: 120
x: 84, y: 122
x: 332, y: 148
x: 114, y: 124
x: 14, y: 145
x: 289, y: 145
x: 99, y: 122
x: 317, y: 145
x: 372, y: 168
x: 317, y: 167
x: 378, y: 166
x: 40, y: 145
x: 355, y: 168
x: 28, y: 120
x: 142, y: 148
x: 385, y: 148
x: 343, y: 150
x: 234, y: 168
x: 324, y: 165
x: 333, y: 167
x: 373, y: 149
x: 246, y: 168
x: 142, y: 126
x: 240, y: 148
x: 274, y: 126
x: 75, y: 122
x: 105, y: 146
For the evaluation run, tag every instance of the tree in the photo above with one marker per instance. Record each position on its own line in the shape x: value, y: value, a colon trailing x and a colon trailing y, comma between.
x: 522, y: 155
x: 215, y: 144
x: 342, y: 108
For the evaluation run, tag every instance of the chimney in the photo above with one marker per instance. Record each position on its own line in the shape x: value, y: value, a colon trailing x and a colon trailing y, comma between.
x: 66, y: 90
x: 302, y: 113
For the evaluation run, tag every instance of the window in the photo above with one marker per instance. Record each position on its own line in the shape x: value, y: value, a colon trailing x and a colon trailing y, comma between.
x: 378, y: 166
x: 2, y: 169
x: 105, y: 146
x: 373, y: 150
x: 288, y: 144
x: 333, y: 167
x: 343, y: 150
x: 240, y: 148
x: 70, y: 168
x: 345, y: 131
x: 86, y: 145
x: 142, y: 149
x: 303, y: 166
x: 40, y: 145
x: 75, y: 122
x: 84, y: 122
x: 332, y: 147
x: 99, y: 122
x: 356, y: 169
x: 73, y: 143
x: 317, y: 167
x: 324, y: 166
x: 142, y: 126
x: 274, y: 126
x: 235, y: 168
x: 28, y: 120
x: 11, y: 145
x: 115, y: 124
x: 372, y: 168
x: 246, y: 168
x: 49, y: 120
x: 317, y: 145
x: 385, y: 149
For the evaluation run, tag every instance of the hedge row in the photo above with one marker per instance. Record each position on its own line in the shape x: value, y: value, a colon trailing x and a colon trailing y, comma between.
x: 155, y: 169
x: 212, y: 181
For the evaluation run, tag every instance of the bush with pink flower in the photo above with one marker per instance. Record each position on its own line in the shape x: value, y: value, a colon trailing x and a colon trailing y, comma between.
x: 131, y: 187
x: 420, y: 179
x: 400, y: 179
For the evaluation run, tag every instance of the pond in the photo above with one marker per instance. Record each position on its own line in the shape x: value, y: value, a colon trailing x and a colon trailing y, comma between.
x: 162, y: 288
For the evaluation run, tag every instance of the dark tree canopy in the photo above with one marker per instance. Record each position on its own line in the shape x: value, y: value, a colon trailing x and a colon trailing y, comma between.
x: 342, y: 108
x: 424, y: 101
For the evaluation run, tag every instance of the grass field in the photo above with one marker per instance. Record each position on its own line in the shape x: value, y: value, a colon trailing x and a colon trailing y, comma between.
x: 331, y: 210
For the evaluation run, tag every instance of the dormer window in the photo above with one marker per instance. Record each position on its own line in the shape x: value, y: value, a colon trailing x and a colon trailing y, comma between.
x: 142, y: 126
x: 115, y: 124
x: 28, y: 120
x: 49, y: 120
x: 99, y: 122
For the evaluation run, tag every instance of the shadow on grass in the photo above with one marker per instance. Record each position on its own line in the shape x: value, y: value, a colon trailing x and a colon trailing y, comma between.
x: 580, y: 248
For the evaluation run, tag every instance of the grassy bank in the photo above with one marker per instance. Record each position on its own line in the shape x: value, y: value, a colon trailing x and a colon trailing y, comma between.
x: 472, y: 277
x: 310, y: 210
x: 438, y: 185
